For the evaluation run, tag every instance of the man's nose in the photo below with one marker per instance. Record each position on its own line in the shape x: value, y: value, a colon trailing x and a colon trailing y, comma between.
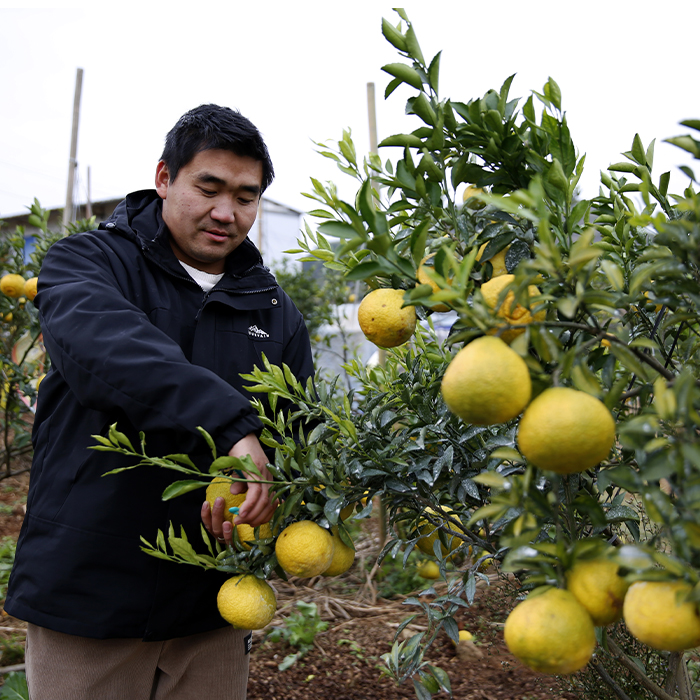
x: 223, y: 211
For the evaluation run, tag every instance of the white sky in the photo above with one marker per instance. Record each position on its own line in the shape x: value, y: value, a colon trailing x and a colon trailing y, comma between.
x: 299, y: 71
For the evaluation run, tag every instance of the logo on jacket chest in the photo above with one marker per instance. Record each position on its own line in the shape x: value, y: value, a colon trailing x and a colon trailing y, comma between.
x: 255, y: 332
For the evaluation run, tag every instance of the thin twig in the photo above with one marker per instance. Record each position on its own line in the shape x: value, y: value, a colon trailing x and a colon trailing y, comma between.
x: 12, y: 669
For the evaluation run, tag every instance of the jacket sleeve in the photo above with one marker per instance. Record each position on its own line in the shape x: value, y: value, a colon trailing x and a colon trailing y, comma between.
x: 115, y: 360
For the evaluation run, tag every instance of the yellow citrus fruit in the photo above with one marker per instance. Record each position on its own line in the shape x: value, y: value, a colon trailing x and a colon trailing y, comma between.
x: 383, y: 320
x: 566, y: 431
x: 246, y: 533
x: 486, y: 382
x: 653, y: 615
x: 514, y: 314
x: 12, y: 285
x: 222, y: 487
x: 424, y: 279
x: 485, y: 563
x: 247, y: 602
x: 39, y: 380
x: 551, y: 632
x: 431, y: 534
x: 465, y: 636
x: 346, y: 512
x: 30, y: 288
x: 304, y: 549
x: 596, y: 585
x: 343, y: 556
x: 498, y: 261
x: 470, y: 192
x: 429, y: 569
x: 7, y: 317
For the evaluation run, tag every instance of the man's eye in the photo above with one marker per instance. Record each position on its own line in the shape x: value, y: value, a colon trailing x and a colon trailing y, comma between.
x: 208, y: 193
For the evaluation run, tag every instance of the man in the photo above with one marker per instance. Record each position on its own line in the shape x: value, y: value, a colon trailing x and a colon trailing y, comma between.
x: 149, y: 322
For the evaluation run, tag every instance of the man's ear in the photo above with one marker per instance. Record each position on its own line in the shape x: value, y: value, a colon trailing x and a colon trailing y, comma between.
x: 162, y: 179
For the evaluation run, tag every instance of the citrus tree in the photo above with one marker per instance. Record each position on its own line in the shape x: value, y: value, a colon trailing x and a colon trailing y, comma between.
x: 22, y: 357
x: 554, y: 430
x: 557, y: 427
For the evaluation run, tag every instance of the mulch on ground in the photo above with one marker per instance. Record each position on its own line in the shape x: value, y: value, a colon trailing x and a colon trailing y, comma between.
x: 346, y: 661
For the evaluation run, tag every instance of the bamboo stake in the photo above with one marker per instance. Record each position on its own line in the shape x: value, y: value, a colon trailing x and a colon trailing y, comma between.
x: 72, y: 163
x: 374, y: 148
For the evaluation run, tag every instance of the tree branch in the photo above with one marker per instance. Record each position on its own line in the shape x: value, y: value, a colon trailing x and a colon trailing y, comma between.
x: 600, y: 669
x: 637, y: 673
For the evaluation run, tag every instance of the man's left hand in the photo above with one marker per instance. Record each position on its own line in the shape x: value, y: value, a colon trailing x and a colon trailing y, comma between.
x: 258, y: 506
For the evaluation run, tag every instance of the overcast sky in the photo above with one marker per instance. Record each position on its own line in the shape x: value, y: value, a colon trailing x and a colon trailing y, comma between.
x: 299, y: 71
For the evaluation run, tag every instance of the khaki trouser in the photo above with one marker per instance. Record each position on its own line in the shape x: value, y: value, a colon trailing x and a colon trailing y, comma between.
x: 65, y: 667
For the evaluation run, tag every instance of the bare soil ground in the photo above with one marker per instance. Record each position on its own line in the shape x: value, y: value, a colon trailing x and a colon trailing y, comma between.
x: 345, y: 662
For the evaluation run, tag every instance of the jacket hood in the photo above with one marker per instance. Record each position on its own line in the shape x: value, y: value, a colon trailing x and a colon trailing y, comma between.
x: 139, y: 217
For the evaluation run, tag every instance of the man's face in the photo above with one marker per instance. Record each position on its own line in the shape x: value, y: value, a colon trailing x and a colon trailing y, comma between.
x: 210, y: 207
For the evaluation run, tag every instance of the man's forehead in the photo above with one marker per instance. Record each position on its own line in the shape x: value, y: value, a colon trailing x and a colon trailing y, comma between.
x: 226, y: 168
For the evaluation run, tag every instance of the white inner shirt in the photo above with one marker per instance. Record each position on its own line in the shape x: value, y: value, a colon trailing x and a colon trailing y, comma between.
x: 205, y: 280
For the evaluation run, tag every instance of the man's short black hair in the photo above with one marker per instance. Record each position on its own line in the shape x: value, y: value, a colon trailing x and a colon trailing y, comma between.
x: 211, y: 126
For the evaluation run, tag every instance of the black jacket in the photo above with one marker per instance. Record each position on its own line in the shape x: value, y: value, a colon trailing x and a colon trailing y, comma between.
x: 133, y: 340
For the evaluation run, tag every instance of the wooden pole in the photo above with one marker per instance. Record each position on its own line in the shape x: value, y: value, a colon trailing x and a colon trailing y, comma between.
x: 88, y: 205
x: 374, y: 148
x: 72, y: 163
x: 372, y: 113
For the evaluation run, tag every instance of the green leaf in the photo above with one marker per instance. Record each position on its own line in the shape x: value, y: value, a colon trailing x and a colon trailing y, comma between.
x: 628, y: 359
x: 391, y: 86
x: 623, y: 167
x: 413, y: 46
x: 419, y: 236
x: 687, y: 143
x: 567, y: 306
x: 431, y: 169
x: 506, y: 453
x: 421, y: 106
x: 224, y: 463
x: 339, y: 229
x: 620, y: 514
x: 403, y: 140
x: 638, y: 152
x: 116, y: 437
x: 434, y: 71
x: 15, y: 687
x: 177, y: 488
x: 490, y: 479
x: 404, y: 73
x: 182, y: 548
x: 103, y: 441
x: 557, y: 178
x: 209, y: 440
x: 181, y: 459
x: 585, y: 380
x: 553, y: 93
x: 365, y: 270
x: 614, y: 274
x: 394, y: 36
